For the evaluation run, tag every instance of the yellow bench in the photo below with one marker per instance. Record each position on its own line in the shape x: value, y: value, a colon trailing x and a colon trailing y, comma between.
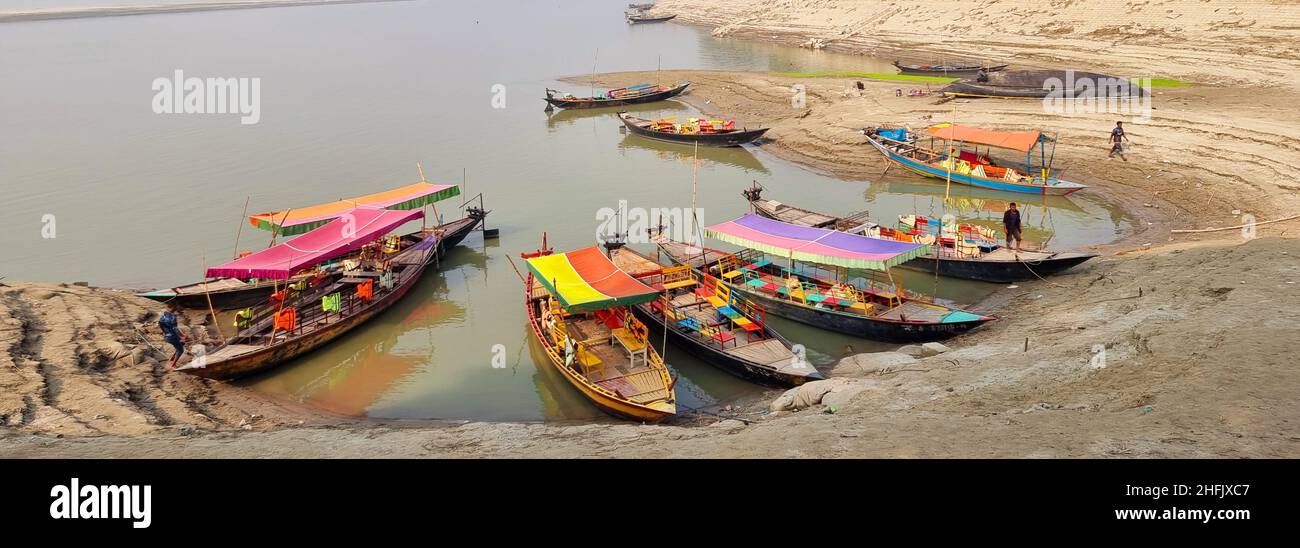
x: 590, y: 362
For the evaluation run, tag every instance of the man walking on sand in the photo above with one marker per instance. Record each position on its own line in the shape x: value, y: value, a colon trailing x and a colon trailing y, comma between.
x: 1117, y: 138
x: 1011, y: 222
x: 171, y: 333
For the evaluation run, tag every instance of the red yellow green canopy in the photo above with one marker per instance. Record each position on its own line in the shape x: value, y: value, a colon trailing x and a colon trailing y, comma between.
x: 304, y: 219
x: 585, y: 280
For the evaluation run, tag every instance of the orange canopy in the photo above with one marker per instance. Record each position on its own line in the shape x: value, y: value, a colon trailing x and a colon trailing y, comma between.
x: 1014, y: 140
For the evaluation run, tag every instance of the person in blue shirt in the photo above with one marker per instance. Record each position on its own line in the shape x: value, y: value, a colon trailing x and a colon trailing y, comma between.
x: 1117, y: 138
x: 172, y: 333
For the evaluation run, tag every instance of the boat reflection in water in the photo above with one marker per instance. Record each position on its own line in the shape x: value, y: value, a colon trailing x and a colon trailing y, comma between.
x: 357, y: 371
x: 561, y: 118
x: 732, y: 156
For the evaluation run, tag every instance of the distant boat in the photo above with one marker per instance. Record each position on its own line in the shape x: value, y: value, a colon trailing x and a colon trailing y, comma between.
x: 641, y: 18
x: 946, y: 70
x: 713, y: 133
x: 631, y: 95
x: 640, y: 6
x: 1041, y: 83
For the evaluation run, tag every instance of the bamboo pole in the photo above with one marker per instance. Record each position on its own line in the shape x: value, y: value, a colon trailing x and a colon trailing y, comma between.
x: 437, y: 219
x: 216, y: 322
x: 240, y: 232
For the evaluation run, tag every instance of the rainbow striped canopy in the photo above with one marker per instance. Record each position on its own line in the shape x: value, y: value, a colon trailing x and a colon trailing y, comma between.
x: 585, y: 280
x: 303, y: 219
x: 816, y: 245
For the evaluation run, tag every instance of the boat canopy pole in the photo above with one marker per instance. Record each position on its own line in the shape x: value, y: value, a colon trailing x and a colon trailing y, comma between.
x: 1042, y: 156
x: 1052, y: 159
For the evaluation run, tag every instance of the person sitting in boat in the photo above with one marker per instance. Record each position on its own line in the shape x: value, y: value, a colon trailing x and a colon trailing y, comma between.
x: 172, y: 333
x: 1011, y: 223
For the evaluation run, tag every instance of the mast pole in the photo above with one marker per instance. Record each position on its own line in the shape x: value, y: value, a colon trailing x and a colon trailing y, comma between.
x: 240, y: 231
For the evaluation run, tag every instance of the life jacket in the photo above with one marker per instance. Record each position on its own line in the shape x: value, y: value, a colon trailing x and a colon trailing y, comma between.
x: 244, y: 318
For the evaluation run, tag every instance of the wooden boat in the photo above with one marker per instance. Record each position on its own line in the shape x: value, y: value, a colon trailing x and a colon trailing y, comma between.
x: 233, y: 293
x: 877, y: 308
x: 946, y: 70
x: 970, y: 167
x: 713, y: 323
x: 960, y: 255
x: 713, y: 133
x: 278, y: 333
x: 642, y: 18
x: 1043, y: 84
x: 641, y: 93
x: 578, y: 305
x: 225, y: 293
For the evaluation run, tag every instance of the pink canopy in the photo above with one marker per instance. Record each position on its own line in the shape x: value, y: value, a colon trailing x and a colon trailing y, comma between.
x: 349, y: 232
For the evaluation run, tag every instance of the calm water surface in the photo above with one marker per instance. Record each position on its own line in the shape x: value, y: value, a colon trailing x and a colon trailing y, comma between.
x: 352, y: 97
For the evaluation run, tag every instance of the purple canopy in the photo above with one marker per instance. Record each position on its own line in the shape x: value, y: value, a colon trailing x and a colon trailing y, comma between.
x: 816, y: 245
x: 352, y: 230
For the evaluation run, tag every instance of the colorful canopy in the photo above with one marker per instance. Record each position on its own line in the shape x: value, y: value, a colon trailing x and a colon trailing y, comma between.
x: 585, y: 280
x: 816, y: 245
x: 1014, y: 140
x: 302, y: 219
x: 354, y: 228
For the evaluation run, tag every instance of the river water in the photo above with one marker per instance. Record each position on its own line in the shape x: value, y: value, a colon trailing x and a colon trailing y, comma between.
x: 352, y: 97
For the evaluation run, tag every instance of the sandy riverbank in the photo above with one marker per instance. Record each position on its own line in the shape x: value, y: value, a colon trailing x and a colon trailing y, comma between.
x: 1203, y: 41
x: 1199, y: 350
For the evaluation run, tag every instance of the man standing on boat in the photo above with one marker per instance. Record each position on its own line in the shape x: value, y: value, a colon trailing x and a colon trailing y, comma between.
x: 1011, y: 222
x: 171, y: 333
x: 1117, y: 138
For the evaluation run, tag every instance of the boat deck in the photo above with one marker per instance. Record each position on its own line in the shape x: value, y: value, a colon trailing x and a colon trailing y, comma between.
x: 633, y: 263
x: 696, y: 257
x: 223, y: 284
x: 640, y: 383
x: 913, y: 311
x: 796, y: 216
x: 1010, y: 255
x: 232, y: 351
x: 765, y: 351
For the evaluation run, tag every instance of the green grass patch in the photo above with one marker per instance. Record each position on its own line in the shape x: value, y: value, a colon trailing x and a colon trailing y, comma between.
x: 872, y: 76
x: 1163, y: 83
x: 1155, y: 82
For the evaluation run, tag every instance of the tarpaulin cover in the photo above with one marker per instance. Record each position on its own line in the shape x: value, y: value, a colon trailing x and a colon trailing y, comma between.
x: 899, y: 134
x: 817, y: 245
x: 585, y: 280
x: 1014, y: 140
x: 352, y: 230
x: 300, y: 220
